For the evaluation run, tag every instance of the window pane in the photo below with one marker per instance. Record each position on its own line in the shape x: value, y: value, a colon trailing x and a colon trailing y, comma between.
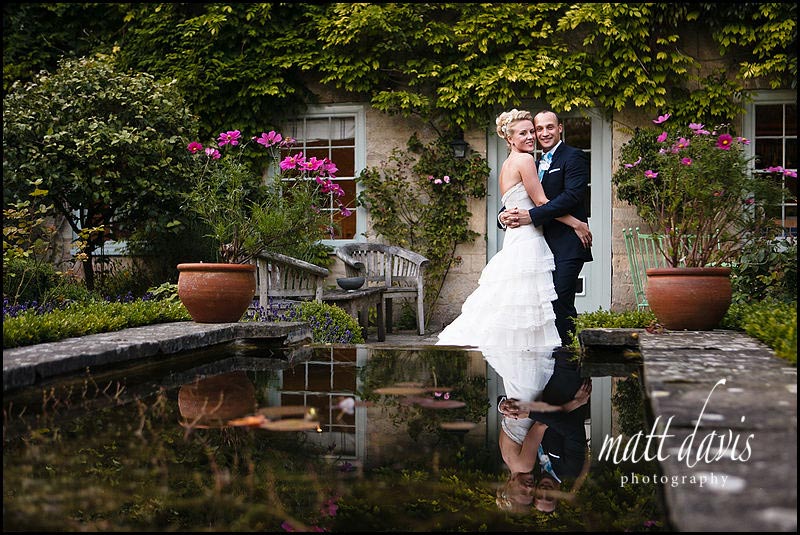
x: 578, y: 132
x: 791, y: 154
x: 769, y: 120
x: 769, y: 153
x: 791, y: 119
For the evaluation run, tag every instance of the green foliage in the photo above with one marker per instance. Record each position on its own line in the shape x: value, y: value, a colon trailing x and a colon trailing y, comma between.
x: 27, y: 280
x: 107, y: 145
x: 627, y: 319
x: 81, y: 319
x: 766, y: 270
x: 27, y: 247
x: 419, y: 199
x: 693, y: 186
x: 772, y: 322
x: 452, y: 64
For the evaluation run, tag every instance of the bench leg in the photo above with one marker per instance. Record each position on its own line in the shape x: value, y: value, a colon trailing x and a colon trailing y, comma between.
x: 388, y: 305
x: 380, y: 321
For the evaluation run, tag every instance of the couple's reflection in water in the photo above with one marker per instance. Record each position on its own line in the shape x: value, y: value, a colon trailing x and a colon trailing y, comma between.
x: 542, y: 436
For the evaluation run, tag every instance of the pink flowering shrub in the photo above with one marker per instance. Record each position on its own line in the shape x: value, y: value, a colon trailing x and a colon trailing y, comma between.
x: 285, y: 208
x: 694, y: 186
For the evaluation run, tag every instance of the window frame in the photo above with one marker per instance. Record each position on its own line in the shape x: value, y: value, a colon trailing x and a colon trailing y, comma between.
x: 766, y: 98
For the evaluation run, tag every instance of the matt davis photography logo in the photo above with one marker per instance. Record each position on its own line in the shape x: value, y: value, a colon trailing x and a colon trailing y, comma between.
x: 694, y: 449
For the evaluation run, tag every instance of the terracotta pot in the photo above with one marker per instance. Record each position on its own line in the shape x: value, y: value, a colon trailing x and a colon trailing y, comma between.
x: 212, y: 401
x: 216, y: 293
x: 694, y: 299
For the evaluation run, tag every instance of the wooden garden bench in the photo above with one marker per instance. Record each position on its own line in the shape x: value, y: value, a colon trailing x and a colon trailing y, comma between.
x: 398, y: 270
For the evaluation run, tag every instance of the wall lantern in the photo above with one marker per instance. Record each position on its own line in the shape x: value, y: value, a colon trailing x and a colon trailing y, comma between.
x: 459, y: 145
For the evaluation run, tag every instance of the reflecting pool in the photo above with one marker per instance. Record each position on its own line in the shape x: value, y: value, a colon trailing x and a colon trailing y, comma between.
x: 241, y: 437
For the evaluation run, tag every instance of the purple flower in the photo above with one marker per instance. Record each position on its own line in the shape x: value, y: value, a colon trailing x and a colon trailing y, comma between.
x: 650, y: 174
x: 686, y: 161
x: 662, y: 137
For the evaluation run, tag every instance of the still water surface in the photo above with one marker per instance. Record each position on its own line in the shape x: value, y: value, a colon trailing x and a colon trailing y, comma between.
x: 241, y: 437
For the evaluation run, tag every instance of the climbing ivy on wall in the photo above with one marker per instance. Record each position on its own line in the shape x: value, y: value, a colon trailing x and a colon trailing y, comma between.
x: 452, y: 64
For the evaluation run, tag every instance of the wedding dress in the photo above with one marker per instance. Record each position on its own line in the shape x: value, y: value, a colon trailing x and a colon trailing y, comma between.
x: 512, y: 307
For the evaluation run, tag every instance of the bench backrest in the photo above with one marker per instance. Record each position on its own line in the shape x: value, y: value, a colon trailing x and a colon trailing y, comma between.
x: 284, y: 277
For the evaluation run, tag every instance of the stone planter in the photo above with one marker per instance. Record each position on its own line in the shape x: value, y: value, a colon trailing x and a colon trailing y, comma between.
x: 694, y: 299
x: 216, y: 293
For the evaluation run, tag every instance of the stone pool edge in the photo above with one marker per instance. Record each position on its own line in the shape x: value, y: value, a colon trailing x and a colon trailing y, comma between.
x: 25, y: 366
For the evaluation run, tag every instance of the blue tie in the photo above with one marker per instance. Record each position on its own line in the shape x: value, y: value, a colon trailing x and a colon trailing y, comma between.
x: 544, y: 164
x: 544, y: 461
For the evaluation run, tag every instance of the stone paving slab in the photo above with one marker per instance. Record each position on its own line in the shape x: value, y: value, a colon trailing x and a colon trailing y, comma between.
x: 747, y: 431
x: 25, y: 366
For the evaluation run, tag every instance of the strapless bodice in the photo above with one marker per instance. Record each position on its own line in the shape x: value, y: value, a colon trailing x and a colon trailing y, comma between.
x: 517, y: 197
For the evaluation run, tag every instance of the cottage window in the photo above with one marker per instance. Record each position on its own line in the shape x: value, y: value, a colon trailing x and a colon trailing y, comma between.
x: 336, y: 133
x: 772, y: 127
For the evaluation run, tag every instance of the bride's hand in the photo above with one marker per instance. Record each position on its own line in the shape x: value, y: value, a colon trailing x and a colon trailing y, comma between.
x: 584, y: 234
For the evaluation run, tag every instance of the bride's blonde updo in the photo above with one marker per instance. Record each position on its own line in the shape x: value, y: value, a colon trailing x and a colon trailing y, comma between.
x: 507, y: 118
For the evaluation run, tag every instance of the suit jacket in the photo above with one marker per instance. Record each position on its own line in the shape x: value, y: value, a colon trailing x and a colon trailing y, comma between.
x: 564, y: 440
x: 565, y: 184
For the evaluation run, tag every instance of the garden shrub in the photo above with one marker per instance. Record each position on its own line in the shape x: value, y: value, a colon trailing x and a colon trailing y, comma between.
x: 26, y: 280
x: 767, y: 270
x: 772, y: 322
x: 30, y: 327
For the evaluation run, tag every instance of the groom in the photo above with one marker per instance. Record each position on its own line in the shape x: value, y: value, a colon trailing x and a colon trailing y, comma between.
x: 564, y: 173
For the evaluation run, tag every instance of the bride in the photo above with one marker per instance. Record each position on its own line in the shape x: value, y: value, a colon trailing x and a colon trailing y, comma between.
x: 512, y: 306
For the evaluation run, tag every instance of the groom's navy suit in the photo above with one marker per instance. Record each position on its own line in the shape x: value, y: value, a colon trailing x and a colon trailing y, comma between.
x: 565, y: 183
x: 564, y: 440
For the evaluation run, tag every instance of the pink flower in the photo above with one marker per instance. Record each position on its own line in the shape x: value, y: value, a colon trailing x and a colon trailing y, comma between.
x: 329, y: 507
x: 292, y: 162
x: 724, y: 141
x: 345, y: 211
x: 774, y: 169
x: 634, y: 164
x: 269, y: 139
x: 194, y: 147
x: 743, y: 140
x: 437, y: 181
x: 213, y: 153
x: 650, y: 174
x: 662, y: 118
x: 329, y: 167
x: 790, y: 173
x: 312, y: 164
x: 662, y: 137
x: 686, y: 161
x: 696, y: 126
x: 681, y: 144
x: 446, y: 179
x: 230, y: 137
x: 430, y: 177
